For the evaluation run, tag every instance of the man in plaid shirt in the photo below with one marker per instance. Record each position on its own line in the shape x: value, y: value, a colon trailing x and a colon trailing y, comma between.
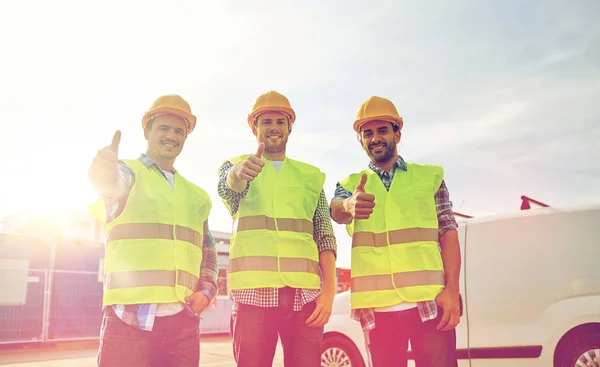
x: 430, y: 323
x: 260, y: 314
x: 152, y: 334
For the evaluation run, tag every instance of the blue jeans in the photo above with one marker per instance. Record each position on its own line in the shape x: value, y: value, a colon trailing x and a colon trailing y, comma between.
x: 255, y: 331
x: 388, y: 342
x: 173, y: 342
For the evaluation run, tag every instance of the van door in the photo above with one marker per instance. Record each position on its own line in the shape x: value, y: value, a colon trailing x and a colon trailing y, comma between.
x: 461, y: 329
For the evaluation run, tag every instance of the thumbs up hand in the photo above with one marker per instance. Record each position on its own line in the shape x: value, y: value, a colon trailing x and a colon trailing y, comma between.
x: 360, y: 205
x: 103, y: 170
x: 114, y: 145
x: 249, y: 169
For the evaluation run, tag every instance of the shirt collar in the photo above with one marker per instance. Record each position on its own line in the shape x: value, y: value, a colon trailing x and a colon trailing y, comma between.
x: 400, y: 163
x: 149, y: 162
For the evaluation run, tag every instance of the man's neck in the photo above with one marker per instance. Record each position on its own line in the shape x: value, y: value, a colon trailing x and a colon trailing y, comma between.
x: 164, y: 164
x: 386, y: 166
x: 279, y: 156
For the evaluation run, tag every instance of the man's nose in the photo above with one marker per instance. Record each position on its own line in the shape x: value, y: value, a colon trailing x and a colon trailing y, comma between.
x: 171, y: 135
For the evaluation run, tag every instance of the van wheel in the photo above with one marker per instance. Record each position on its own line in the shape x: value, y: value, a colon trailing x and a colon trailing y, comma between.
x: 583, y: 351
x: 340, y: 352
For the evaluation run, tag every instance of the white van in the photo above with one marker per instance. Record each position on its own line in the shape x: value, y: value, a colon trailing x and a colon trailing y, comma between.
x: 530, y: 283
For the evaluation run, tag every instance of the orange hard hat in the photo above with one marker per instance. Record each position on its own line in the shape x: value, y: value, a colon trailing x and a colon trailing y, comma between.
x: 377, y: 108
x: 271, y: 101
x: 171, y: 104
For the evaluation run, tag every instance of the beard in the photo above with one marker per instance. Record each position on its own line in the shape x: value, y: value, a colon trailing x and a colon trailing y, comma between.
x: 384, y: 157
x: 277, y: 146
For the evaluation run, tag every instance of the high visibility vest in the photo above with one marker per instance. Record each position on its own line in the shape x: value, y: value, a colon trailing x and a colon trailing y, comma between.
x: 395, y: 253
x: 154, y: 247
x: 272, y: 243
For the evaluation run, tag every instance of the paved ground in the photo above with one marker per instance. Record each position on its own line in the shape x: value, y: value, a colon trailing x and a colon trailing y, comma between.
x: 215, y: 351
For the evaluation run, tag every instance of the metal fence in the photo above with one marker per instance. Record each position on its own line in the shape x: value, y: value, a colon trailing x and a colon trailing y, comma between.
x: 75, y: 305
x: 64, y: 300
x: 26, y: 323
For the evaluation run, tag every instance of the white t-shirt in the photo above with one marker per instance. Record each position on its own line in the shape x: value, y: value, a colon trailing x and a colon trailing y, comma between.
x: 401, y: 307
x: 277, y: 165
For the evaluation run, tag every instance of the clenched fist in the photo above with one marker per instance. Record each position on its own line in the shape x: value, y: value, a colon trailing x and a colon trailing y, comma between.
x: 360, y: 205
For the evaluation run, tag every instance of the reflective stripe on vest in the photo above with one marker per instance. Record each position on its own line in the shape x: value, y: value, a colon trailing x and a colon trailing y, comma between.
x: 272, y: 243
x: 134, y: 231
x: 395, y: 253
x: 253, y: 222
x: 150, y: 278
x: 398, y: 236
x: 269, y: 263
x: 401, y: 280
x: 168, y: 221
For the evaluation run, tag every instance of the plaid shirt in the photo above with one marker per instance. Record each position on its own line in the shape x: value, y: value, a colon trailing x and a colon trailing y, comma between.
x: 446, y: 222
x: 322, y: 234
x: 142, y: 315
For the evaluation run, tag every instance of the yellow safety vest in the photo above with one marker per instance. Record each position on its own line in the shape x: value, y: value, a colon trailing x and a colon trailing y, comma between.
x: 395, y: 253
x: 272, y: 243
x: 154, y: 248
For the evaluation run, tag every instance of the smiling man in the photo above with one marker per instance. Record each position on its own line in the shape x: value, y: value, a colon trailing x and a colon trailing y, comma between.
x: 282, y: 245
x: 160, y: 267
x: 399, y: 215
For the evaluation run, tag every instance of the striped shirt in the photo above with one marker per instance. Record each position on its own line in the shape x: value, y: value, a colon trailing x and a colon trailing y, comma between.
x: 142, y: 315
x: 322, y: 234
x: 446, y: 222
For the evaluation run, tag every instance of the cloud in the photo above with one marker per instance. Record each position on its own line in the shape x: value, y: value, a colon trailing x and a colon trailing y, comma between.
x: 503, y: 95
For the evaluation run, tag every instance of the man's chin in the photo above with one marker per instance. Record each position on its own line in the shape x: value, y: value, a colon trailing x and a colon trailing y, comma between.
x: 274, y: 148
x: 169, y: 156
x: 381, y: 158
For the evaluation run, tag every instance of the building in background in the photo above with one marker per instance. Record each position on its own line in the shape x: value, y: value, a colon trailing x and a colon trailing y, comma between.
x: 56, y: 266
x: 343, y: 279
x: 71, y: 225
x: 56, y: 260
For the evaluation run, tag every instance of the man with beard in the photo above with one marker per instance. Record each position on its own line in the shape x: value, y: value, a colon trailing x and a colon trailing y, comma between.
x: 399, y: 214
x: 160, y: 266
x: 282, y: 242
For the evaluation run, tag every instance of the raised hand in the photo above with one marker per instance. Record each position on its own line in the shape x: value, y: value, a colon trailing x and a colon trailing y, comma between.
x: 360, y: 205
x: 104, y: 166
x: 249, y: 169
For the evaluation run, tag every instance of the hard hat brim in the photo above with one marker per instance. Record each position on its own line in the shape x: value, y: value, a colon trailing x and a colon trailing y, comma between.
x: 191, y: 119
x: 393, y: 119
x: 285, y: 110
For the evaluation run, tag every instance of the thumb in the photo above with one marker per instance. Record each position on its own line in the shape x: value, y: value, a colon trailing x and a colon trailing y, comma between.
x: 114, y: 145
x: 260, y: 151
x: 361, y: 185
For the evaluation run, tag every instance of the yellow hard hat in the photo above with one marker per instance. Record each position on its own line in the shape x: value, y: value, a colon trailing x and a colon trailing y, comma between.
x: 377, y: 108
x: 271, y: 101
x: 171, y: 104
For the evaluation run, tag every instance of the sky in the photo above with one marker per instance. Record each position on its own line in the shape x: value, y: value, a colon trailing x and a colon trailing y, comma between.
x: 504, y: 95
